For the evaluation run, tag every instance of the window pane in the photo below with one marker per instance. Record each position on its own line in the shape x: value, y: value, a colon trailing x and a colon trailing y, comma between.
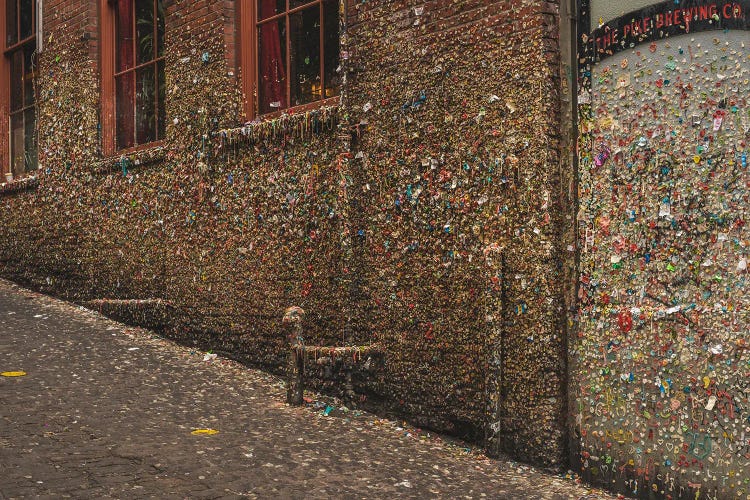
x: 11, y: 20
x: 304, y: 31
x: 30, y: 161
x: 162, y: 97
x: 28, y: 77
x: 144, y: 30
x: 145, y: 105
x: 125, y: 113
x: 16, y: 80
x: 272, y: 66
x: 160, y: 28
x: 268, y: 8
x: 16, y: 144
x: 124, y: 52
x: 331, y: 78
x: 26, y: 16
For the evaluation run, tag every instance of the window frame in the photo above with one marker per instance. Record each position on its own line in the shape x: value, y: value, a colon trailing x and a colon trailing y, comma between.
x: 248, y: 61
x: 6, y: 162
x: 108, y: 72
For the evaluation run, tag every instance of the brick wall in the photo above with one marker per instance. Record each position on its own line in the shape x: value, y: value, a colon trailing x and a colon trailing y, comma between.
x: 422, y: 213
x: 457, y: 199
x: 205, y: 19
x: 73, y: 19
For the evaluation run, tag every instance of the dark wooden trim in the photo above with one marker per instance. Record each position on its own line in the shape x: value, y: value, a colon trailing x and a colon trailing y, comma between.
x: 247, y: 49
x: 107, y: 65
x: 276, y: 17
x: 139, y: 66
x: 138, y: 148
x: 288, y: 59
x: 20, y: 43
x: 331, y: 101
x: 322, y: 55
x: 139, y: 156
x: 4, y: 98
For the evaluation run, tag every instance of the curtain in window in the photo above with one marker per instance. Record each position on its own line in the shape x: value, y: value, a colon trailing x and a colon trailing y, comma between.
x: 272, y: 67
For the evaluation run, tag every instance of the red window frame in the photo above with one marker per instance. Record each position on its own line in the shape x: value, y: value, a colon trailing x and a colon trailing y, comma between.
x: 18, y: 46
x: 249, y: 23
x: 126, y: 122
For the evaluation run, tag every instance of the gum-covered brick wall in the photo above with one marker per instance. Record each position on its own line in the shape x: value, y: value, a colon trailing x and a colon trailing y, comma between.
x: 230, y: 234
x: 456, y: 216
x: 661, y: 366
x: 421, y: 213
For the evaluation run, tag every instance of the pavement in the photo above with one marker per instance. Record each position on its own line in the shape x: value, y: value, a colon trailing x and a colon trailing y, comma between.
x: 109, y: 411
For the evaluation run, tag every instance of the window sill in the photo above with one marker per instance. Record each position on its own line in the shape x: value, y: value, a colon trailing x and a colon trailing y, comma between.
x: 295, y: 122
x: 18, y: 185
x: 127, y: 159
x: 330, y: 102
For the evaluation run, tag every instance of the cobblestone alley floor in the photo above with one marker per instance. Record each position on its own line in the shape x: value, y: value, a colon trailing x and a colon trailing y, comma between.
x: 108, y: 411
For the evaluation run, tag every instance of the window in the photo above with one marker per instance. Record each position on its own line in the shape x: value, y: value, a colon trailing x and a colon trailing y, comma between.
x: 292, y: 53
x: 132, y: 74
x: 19, y: 64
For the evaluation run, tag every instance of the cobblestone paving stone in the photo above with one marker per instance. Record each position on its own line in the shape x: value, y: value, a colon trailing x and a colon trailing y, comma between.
x: 107, y: 411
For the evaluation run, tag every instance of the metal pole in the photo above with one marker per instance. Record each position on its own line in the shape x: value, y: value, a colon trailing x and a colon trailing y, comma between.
x: 295, y: 367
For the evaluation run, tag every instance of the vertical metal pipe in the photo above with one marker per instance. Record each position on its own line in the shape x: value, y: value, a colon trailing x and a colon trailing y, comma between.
x: 39, y: 26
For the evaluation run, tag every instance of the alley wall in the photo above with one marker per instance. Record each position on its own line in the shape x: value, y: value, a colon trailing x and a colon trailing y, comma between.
x: 421, y: 213
x: 660, y: 364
